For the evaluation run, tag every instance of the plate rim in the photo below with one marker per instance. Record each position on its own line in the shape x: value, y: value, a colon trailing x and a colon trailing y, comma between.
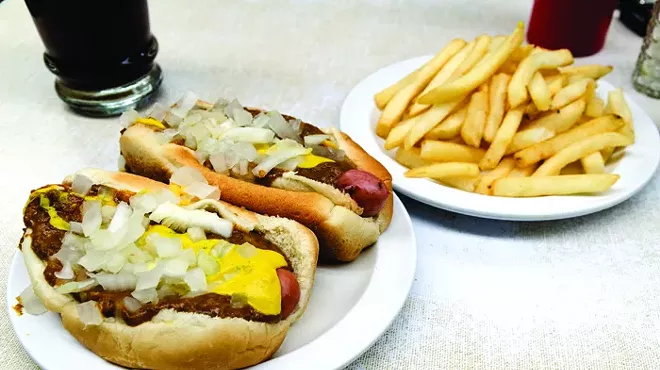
x: 309, y: 354
x: 359, y: 103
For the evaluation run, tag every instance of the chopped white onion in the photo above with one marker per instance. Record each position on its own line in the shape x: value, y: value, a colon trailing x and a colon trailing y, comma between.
x: 91, y: 216
x: 260, y: 120
x: 93, y: 260
x: 247, y: 250
x: 175, y: 268
x: 221, y: 103
x: 76, y: 286
x: 73, y: 241
x: 158, y: 111
x: 116, y: 282
x: 231, y: 106
x: 278, y: 156
x: 196, y: 280
x: 172, y: 119
x: 128, y: 117
x: 66, y: 273
x: 165, y: 291
x: 252, y: 135
x: 181, y: 219
x: 165, y: 247
x: 189, y: 256
x: 68, y: 255
x: 106, y: 214
x: 120, y: 218
x: 281, y: 127
x: 146, y: 295
x: 134, y: 229
x: 202, y: 191
x: 105, y: 240
x: 207, y: 263
x: 185, y: 176
x: 311, y: 140
x: 121, y: 163
x: 81, y: 184
x: 295, y: 123
x: 242, y: 117
x: 291, y: 164
x: 114, y: 262
x: 221, y: 248
x: 131, y: 304
x: 149, y: 279
x: 196, y: 234
x: 31, y: 302
x: 219, y: 163
x: 89, y: 313
x: 238, y: 300
x: 185, y: 104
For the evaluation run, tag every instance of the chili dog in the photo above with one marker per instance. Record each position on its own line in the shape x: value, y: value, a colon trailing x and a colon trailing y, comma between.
x: 147, y: 275
x: 268, y: 163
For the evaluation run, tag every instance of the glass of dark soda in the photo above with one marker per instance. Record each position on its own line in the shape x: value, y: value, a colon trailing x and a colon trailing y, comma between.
x: 101, y: 51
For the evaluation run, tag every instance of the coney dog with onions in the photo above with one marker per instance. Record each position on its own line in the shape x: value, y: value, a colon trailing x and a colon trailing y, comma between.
x: 268, y: 163
x: 147, y: 275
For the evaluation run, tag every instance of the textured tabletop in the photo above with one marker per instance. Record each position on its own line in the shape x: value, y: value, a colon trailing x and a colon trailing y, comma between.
x: 581, y: 293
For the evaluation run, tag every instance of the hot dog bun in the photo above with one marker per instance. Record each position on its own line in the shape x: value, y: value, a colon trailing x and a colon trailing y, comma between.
x: 179, y: 340
x: 342, y: 233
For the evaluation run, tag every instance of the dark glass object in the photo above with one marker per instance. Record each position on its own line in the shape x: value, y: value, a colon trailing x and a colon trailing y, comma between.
x: 636, y: 14
x: 102, y: 52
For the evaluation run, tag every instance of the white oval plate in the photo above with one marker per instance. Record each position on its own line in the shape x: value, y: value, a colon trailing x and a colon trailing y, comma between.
x: 350, y: 307
x: 359, y: 115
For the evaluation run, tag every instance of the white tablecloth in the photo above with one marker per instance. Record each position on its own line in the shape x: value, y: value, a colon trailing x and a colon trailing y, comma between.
x: 581, y: 293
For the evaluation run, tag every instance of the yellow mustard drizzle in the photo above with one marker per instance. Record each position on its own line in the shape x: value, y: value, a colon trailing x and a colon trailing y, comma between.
x: 309, y: 160
x: 254, y: 277
x: 55, y: 220
x: 150, y: 122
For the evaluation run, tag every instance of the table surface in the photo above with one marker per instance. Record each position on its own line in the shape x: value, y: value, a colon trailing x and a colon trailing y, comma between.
x: 579, y: 293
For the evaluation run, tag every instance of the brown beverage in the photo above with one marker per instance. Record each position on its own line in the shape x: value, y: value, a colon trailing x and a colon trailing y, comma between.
x: 95, y: 44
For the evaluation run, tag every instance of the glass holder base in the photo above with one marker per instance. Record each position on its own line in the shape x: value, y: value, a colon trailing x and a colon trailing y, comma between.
x: 113, y: 101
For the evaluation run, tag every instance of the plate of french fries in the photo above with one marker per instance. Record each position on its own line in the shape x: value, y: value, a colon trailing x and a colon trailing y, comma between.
x: 496, y: 128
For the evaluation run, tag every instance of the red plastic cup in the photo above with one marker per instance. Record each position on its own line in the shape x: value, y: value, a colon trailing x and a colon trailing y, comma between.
x: 578, y: 25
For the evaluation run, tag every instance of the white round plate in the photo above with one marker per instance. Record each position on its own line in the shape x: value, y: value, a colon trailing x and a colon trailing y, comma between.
x: 350, y: 307
x: 359, y: 115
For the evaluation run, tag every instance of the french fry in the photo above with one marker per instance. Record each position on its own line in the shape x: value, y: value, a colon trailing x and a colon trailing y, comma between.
x: 607, y: 154
x: 509, y: 67
x: 593, y: 163
x: 394, y: 109
x: 497, y: 103
x: 547, y: 127
x: 450, y: 127
x: 595, y: 108
x: 520, y: 53
x: 573, y: 152
x: 502, y: 139
x: 410, y: 158
x: 431, y: 118
x: 616, y: 104
x: 398, y: 133
x: 462, y: 183
x: 443, y: 76
x: 539, y: 92
x: 502, y: 170
x: 496, y: 42
x: 441, y: 151
x: 477, y: 75
x: 555, y: 84
x: 444, y: 170
x: 593, y: 71
x: 548, y: 148
x: 517, y: 89
x: 384, y: 96
x: 475, y: 122
x: 570, y: 93
x: 553, y: 185
x: 523, y: 171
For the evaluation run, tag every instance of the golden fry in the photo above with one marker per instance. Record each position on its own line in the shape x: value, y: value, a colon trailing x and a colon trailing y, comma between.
x: 502, y: 139
x: 523, y: 171
x: 384, y: 96
x: 539, y: 91
x: 546, y: 127
x: 616, y: 104
x: 430, y: 119
x: 517, y: 89
x: 450, y: 127
x: 553, y: 185
x: 462, y: 183
x: 520, y: 53
x: 399, y: 132
x: 607, y: 154
x: 595, y: 107
x: 477, y: 75
x: 548, y: 148
x: 496, y: 106
x: 502, y: 170
x: 443, y: 76
x: 394, y: 109
x: 593, y: 163
x: 441, y: 151
x: 411, y: 158
x: 593, y: 71
x: 570, y: 93
x: 579, y: 149
x: 475, y: 122
x: 445, y: 170
x: 555, y: 84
